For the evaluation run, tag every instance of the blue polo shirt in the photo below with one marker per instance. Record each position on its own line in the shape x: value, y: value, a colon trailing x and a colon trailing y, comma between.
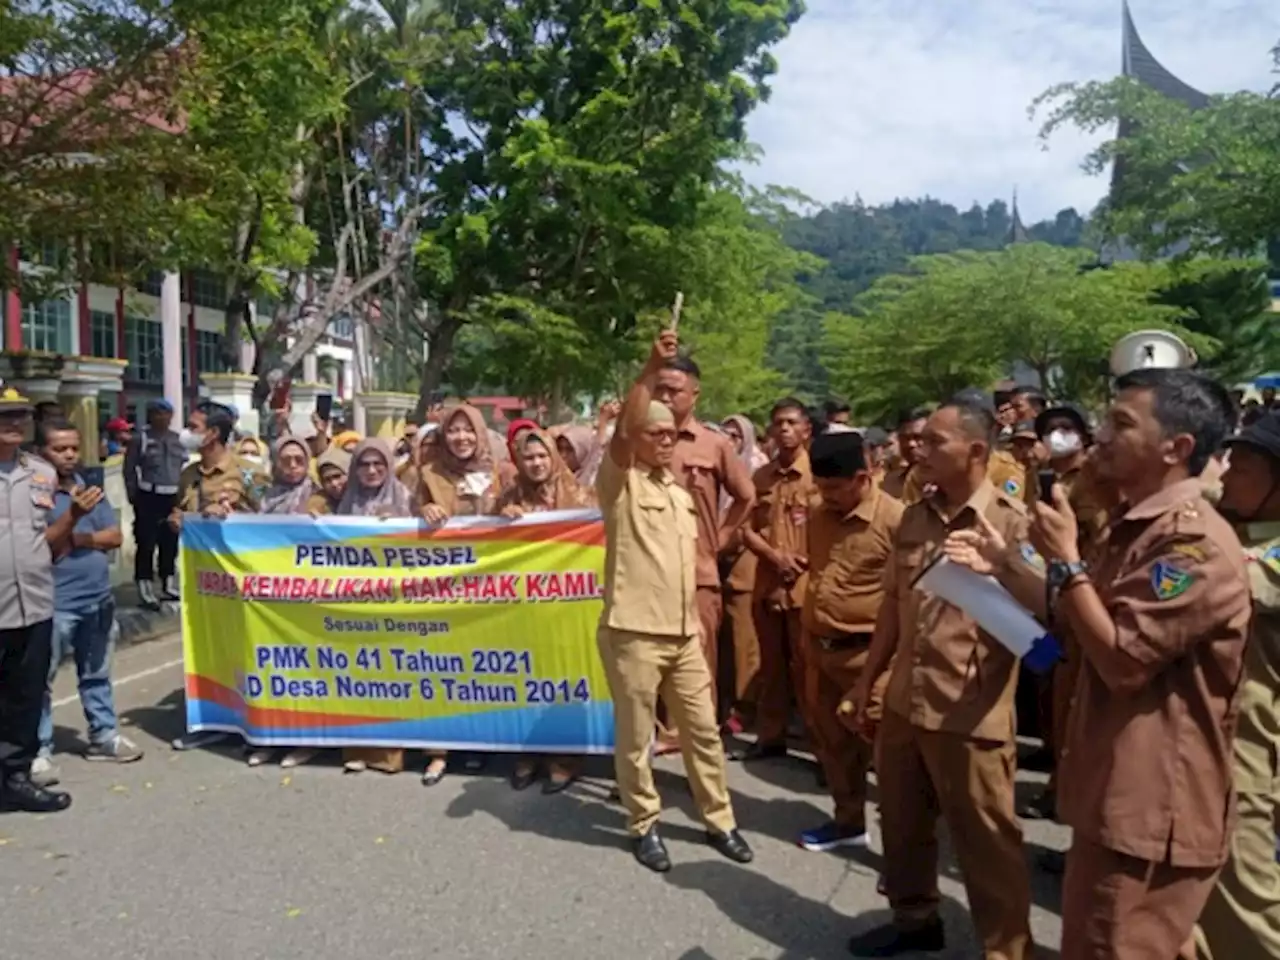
x: 82, y: 578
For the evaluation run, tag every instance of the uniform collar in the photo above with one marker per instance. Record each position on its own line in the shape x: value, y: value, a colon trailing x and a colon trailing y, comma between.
x: 977, y: 502
x: 692, y: 429
x: 1162, y: 501
x: 866, y: 510
x: 225, y: 464
x: 798, y: 467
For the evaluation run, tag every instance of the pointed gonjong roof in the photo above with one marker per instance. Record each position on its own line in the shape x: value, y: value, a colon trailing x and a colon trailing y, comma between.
x: 1018, y: 233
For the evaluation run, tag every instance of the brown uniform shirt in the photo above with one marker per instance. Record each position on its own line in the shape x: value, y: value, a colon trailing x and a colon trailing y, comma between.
x: 784, y: 497
x: 705, y: 464
x: 948, y: 674
x: 1148, y: 753
x: 1005, y: 473
x: 651, y: 532
x: 1257, y: 746
x: 241, y: 482
x: 847, y: 559
x: 895, y: 483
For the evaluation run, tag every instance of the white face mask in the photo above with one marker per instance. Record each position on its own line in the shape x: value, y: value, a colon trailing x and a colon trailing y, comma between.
x: 190, y: 440
x: 250, y: 458
x: 1063, y: 443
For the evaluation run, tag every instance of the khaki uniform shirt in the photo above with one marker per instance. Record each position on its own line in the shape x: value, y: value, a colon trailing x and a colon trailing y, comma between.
x: 847, y: 560
x: 705, y: 465
x: 784, y: 497
x: 1007, y: 475
x: 1149, y: 740
x: 27, y: 486
x: 1257, y: 746
x: 651, y: 533
x: 242, y: 484
x: 948, y: 674
x: 895, y: 480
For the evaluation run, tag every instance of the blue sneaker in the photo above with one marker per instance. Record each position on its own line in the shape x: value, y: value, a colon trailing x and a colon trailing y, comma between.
x: 831, y: 835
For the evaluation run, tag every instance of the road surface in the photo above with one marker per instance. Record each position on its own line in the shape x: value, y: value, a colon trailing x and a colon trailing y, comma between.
x: 195, y: 855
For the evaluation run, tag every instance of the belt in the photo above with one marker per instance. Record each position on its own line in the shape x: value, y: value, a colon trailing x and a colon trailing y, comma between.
x: 161, y: 488
x: 844, y: 641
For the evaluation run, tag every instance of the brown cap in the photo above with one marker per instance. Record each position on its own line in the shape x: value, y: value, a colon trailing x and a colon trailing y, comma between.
x: 1025, y: 430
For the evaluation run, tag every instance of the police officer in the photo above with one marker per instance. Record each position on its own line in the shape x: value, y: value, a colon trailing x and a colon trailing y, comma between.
x: 28, y: 541
x: 1241, y: 921
x: 152, y: 467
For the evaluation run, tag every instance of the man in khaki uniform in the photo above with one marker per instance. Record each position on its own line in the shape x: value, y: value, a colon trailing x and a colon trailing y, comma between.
x: 946, y: 744
x: 851, y: 535
x: 903, y: 476
x: 1161, y: 620
x: 649, y: 629
x: 779, y: 536
x: 1241, y: 921
x: 219, y: 483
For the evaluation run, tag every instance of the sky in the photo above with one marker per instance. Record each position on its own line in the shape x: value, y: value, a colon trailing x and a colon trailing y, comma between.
x: 902, y: 98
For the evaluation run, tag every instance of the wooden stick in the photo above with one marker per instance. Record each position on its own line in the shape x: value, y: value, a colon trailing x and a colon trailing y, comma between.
x: 675, y: 310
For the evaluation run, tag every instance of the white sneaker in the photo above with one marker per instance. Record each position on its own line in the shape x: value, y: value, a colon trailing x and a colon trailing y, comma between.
x: 44, y: 772
x: 147, y: 595
x: 169, y: 590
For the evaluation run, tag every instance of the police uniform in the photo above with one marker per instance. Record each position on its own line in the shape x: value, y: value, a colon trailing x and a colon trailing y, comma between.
x: 27, y: 486
x: 152, y: 468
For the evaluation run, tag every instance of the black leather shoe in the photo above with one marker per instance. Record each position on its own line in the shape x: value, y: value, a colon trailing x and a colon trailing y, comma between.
x: 759, y: 751
x: 731, y: 845
x: 890, y: 941
x: 652, y: 852
x: 522, y: 778
x: 18, y: 793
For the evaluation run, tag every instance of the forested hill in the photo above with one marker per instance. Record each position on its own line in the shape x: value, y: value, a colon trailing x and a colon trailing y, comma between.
x: 860, y: 243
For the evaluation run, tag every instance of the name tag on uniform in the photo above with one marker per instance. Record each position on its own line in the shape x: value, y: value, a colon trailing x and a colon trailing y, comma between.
x: 799, y: 516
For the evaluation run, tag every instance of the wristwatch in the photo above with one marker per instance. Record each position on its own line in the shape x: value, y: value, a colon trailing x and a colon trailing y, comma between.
x: 1060, y: 573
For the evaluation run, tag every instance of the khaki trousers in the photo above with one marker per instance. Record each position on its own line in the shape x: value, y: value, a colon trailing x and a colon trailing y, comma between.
x: 1241, y: 921
x: 640, y: 669
x: 926, y: 773
x: 709, y: 606
x: 845, y: 756
x: 746, y: 651
x: 1118, y: 907
x: 781, y: 671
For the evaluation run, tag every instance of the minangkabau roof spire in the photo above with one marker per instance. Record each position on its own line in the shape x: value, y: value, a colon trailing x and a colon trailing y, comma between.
x: 1018, y: 233
x: 1139, y: 64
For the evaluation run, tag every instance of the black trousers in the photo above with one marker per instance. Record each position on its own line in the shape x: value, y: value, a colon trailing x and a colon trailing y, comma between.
x: 151, y: 530
x: 24, y: 669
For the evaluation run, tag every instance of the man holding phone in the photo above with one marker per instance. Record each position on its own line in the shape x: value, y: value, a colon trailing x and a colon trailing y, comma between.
x: 83, y: 610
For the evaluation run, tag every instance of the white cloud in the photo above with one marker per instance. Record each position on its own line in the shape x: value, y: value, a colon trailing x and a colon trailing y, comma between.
x: 900, y: 98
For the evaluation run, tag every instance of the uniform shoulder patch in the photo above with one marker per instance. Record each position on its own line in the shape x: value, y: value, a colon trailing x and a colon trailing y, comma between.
x: 1271, y: 558
x: 1012, y: 487
x: 1169, y: 580
x: 1030, y: 555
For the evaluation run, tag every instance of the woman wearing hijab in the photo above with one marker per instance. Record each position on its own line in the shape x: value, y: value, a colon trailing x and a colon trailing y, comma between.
x: 738, y: 566
x: 459, y: 481
x: 373, y: 491
x: 332, y: 468
x: 289, y: 493
x: 249, y: 448
x: 543, y: 482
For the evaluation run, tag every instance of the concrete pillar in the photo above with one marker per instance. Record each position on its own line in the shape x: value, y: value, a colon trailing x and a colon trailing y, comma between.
x: 310, y: 369
x: 171, y: 332
x: 384, y: 413
x: 302, y: 399
x: 235, y: 389
x: 79, y: 398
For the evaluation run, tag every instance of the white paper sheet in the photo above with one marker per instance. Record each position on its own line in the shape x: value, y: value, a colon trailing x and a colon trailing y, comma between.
x: 990, y: 605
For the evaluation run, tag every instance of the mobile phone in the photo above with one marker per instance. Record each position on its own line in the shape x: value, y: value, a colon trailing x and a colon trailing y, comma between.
x: 280, y: 395
x: 93, y: 476
x: 1047, y: 479
x: 324, y: 406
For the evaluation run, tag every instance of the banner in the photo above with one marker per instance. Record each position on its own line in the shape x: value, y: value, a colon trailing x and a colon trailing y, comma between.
x: 354, y: 631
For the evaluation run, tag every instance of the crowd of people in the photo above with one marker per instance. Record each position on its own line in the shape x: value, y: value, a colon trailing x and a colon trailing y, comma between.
x: 761, y: 579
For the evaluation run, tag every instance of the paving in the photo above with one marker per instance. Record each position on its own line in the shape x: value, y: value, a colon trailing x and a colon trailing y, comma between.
x: 195, y: 855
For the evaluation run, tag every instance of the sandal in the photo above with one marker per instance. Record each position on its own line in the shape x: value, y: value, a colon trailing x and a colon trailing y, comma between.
x: 524, y: 775
x: 258, y: 757
x: 433, y: 774
x: 354, y: 766
x: 296, y: 758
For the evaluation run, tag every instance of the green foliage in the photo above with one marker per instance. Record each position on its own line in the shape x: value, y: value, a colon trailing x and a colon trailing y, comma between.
x: 1203, y: 181
x: 964, y: 319
x: 859, y: 244
x: 575, y: 143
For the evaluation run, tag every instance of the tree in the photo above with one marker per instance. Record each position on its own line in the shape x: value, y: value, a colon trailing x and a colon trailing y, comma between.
x: 1203, y: 181
x: 573, y: 138
x: 965, y: 319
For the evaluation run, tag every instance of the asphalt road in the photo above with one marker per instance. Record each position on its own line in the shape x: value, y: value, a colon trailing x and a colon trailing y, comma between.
x: 193, y: 855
